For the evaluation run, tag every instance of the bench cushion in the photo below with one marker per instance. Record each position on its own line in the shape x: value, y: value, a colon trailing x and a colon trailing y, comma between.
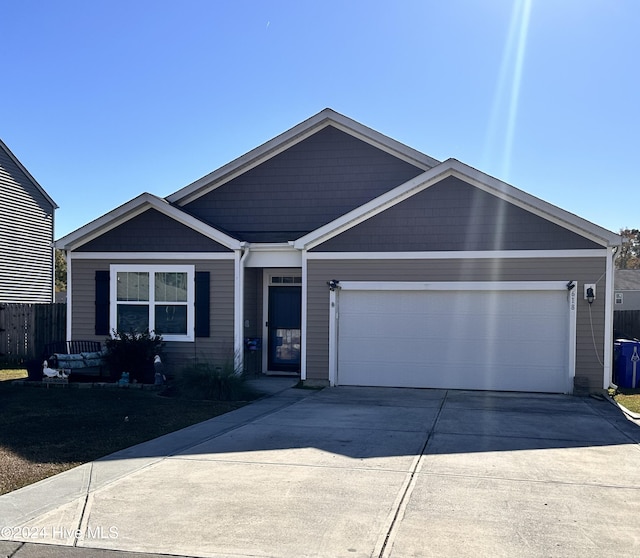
x: 60, y: 356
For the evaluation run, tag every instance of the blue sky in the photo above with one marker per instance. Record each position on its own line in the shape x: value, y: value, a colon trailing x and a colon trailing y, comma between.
x: 103, y: 100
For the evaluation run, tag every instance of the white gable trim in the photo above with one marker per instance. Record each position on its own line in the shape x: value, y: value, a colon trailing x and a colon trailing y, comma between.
x: 136, y: 207
x: 291, y: 137
x: 452, y: 167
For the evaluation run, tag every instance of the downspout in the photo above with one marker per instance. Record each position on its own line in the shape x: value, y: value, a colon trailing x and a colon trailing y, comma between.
x: 239, y: 314
x: 303, y: 318
x: 608, y: 322
x: 69, y: 293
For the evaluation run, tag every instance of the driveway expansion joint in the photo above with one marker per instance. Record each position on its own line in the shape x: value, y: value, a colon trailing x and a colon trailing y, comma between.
x: 408, y: 489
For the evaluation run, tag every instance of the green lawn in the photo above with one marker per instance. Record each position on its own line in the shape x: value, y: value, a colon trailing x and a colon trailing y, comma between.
x: 629, y: 398
x: 46, y: 431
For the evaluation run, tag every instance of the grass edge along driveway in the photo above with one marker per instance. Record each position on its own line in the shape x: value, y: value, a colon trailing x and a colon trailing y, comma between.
x: 46, y: 431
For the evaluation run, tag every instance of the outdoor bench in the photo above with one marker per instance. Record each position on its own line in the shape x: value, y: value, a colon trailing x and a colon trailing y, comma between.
x: 82, y: 357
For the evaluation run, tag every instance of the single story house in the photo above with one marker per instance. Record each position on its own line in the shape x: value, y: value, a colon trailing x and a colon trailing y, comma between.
x: 349, y: 258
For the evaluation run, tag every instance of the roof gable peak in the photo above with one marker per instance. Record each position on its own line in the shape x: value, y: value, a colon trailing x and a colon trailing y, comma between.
x: 476, y: 178
x: 135, y: 207
x: 282, y: 142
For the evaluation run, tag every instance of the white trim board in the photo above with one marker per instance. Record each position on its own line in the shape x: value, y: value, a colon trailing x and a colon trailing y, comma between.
x: 459, y: 255
x: 453, y: 285
x: 185, y: 256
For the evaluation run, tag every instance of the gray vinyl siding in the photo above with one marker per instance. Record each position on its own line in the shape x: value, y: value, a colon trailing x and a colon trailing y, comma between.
x: 630, y: 300
x: 453, y: 216
x: 627, y: 282
x: 26, y: 237
x: 583, y: 270
x: 302, y: 188
x: 152, y: 231
x: 216, y: 348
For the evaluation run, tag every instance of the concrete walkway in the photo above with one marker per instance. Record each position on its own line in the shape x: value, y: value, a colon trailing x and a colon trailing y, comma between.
x: 353, y: 472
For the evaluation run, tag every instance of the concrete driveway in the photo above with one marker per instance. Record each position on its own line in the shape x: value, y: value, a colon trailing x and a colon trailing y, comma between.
x: 356, y: 472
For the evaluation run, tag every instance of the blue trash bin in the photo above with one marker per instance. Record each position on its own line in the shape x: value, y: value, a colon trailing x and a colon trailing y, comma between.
x: 627, y: 363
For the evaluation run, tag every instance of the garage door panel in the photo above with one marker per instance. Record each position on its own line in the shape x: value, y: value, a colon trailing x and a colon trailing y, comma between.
x: 504, y: 340
x: 494, y: 378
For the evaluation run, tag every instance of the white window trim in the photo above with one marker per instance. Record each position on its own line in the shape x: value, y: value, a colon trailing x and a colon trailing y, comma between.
x: 152, y: 269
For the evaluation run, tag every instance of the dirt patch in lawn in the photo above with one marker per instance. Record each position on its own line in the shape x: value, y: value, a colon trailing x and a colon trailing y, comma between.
x: 46, y: 431
x: 13, y: 374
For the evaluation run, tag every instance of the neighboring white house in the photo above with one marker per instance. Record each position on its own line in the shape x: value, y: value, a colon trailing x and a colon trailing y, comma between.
x: 26, y: 235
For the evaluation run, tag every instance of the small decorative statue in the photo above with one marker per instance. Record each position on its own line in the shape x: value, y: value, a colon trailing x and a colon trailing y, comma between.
x: 124, y: 379
x: 159, y: 378
x: 52, y: 372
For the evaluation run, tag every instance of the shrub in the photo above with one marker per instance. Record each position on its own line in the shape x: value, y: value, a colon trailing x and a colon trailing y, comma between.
x: 204, y: 380
x: 133, y: 353
x: 34, y: 369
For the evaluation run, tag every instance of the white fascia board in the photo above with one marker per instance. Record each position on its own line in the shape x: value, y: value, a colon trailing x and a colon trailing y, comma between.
x: 137, y: 256
x: 452, y: 167
x: 382, y: 142
x: 453, y: 285
x: 459, y: 255
x: 534, y: 205
x: 270, y: 246
x: 134, y: 208
x: 291, y: 137
x: 17, y: 162
x: 273, y: 255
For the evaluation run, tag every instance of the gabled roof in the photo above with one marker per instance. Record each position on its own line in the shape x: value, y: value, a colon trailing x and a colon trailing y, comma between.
x: 453, y: 167
x: 135, y: 207
x: 27, y: 174
x: 324, y: 118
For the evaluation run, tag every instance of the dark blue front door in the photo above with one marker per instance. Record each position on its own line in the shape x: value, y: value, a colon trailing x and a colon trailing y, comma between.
x: 284, y: 329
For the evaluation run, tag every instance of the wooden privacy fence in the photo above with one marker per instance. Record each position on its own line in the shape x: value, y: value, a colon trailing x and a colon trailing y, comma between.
x: 26, y: 328
x: 627, y: 322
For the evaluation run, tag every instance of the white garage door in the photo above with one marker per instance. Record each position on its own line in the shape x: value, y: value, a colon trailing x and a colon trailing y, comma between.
x: 513, y: 340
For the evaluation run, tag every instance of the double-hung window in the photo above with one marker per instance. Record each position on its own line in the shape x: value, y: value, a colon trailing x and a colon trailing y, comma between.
x: 157, y: 298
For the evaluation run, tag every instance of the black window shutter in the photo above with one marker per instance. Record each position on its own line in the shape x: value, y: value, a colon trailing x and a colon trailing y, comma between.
x: 202, y: 304
x: 102, y: 302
